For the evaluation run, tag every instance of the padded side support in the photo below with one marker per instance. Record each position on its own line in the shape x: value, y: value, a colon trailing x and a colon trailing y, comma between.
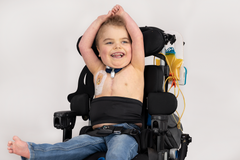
x: 154, y: 79
x: 85, y: 84
x: 162, y: 103
x: 80, y: 104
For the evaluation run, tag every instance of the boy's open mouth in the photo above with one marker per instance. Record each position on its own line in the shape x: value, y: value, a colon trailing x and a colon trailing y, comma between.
x: 117, y: 55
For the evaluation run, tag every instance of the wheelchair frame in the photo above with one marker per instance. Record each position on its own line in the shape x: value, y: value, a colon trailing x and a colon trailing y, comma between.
x: 65, y: 120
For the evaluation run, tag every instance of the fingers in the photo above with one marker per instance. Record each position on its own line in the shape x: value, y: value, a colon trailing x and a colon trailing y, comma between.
x: 116, y: 9
x: 109, y: 13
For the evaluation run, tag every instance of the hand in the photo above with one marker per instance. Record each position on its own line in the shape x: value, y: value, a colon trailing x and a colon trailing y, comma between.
x: 103, y: 18
x: 117, y: 10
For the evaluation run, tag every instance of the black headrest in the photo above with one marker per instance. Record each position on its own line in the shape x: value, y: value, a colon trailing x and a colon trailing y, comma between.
x: 154, y: 40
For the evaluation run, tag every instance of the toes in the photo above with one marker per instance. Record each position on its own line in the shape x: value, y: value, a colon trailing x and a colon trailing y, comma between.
x: 10, y: 143
x: 16, y: 138
x: 10, y: 150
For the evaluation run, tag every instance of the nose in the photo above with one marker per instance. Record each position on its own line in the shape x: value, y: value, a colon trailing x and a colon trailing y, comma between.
x: 117, y: 46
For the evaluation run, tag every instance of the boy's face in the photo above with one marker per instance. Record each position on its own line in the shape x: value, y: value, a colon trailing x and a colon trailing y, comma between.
x: 114, y: 46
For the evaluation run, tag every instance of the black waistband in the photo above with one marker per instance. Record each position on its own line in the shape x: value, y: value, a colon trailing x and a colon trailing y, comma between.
x: 115, y: 110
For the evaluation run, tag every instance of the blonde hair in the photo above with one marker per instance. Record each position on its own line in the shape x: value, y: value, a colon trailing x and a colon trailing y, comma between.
x: 114, y: 21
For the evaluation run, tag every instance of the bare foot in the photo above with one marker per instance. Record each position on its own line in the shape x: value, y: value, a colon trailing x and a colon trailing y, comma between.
x: 18, y: 147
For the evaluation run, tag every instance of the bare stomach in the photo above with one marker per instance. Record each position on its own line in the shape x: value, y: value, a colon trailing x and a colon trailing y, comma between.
x: 108, y: 124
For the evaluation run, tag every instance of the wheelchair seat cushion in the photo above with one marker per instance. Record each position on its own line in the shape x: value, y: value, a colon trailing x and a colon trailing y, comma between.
x: 115, y: 110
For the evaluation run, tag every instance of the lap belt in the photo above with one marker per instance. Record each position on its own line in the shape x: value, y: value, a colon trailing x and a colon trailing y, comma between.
x: 107, y: 130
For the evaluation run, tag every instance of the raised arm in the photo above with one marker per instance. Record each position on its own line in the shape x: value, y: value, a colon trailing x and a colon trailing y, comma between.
x: 90, y: 58
x: 138, y: 55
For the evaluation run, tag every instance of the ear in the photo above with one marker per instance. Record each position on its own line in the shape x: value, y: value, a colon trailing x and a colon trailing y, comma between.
x: 98, y: 51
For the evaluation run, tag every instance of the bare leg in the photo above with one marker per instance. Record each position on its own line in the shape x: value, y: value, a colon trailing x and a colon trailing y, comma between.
x: 18, y: 147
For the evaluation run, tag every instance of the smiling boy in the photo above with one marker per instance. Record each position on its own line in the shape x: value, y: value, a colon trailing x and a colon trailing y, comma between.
x: 119, y: 42
x: 118, y: 92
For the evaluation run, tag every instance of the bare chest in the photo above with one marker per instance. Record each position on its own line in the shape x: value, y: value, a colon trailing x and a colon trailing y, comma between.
x: 125, y: 84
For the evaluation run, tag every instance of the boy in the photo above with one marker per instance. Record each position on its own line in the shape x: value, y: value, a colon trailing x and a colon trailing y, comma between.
x: 118, y: 92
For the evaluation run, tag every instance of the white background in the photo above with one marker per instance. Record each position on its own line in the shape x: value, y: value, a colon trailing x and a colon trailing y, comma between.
x: 39, y: 66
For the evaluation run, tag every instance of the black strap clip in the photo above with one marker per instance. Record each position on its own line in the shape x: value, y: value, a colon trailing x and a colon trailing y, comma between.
x: 105, y: 130
x: 110, y: 130
x: 118, y: 130
x: 134, y: 132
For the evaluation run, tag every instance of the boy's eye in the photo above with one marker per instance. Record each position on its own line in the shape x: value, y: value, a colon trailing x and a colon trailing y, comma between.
x: 125, y: 42
x: 109, y: 42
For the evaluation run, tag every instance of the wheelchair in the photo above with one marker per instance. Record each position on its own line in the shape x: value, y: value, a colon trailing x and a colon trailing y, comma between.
x: 155, y: 141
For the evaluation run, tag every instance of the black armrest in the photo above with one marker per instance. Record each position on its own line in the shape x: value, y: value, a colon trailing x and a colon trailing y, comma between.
x: 64, y: 119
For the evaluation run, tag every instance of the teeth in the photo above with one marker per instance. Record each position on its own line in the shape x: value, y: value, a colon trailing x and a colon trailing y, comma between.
x: 117, y: 54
